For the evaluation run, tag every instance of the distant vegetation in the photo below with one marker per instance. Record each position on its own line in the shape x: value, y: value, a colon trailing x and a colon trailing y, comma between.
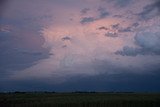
x: 79, y: 99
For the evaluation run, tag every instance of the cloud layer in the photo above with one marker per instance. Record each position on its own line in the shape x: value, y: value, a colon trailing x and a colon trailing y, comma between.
x: 79, y: 42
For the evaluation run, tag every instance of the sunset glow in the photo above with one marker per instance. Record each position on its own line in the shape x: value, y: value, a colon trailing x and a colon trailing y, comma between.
x: 58, y: 43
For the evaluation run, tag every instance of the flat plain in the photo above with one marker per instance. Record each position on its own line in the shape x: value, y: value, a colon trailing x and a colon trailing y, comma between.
x: 93, y: 99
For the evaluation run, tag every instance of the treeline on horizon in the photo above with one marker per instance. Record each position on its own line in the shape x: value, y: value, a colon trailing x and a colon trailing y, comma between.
x: 114, y: 92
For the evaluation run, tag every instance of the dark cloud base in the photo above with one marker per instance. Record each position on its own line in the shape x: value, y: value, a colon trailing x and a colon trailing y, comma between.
x: 126, y: 82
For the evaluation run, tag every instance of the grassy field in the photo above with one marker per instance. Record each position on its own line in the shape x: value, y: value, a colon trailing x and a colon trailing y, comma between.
x: 79, y: 100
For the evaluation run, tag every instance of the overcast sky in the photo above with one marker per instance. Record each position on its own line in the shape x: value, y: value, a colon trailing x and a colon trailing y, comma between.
x: 85, y: 45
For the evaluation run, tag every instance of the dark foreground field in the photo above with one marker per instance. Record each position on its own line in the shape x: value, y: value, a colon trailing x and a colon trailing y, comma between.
x: 79, y: 100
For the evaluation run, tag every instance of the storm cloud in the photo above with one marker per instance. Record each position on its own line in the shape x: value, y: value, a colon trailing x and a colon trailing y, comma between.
x: 148, y: 43
x: 97, y: 45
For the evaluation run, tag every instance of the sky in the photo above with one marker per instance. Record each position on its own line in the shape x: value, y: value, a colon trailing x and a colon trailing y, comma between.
x: 80, y: 45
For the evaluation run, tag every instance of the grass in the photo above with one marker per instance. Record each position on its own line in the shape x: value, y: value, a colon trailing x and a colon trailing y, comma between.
x: 79, y: 100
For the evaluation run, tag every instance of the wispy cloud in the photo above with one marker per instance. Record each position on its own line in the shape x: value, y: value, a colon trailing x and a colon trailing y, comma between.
x: 66, y: 38
x: 120, y: 3
x: 87, y: 20
x: 85, y: 10
x: 102, y: 13
x: 5, y: 28
x: 151, y: 10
